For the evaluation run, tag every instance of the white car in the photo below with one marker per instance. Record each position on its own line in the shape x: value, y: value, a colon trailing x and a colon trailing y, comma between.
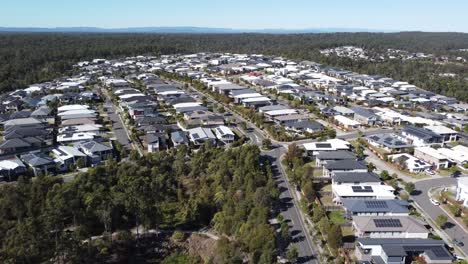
x: 430, y: 172
x: 434, y: 202
x: 459, y: 257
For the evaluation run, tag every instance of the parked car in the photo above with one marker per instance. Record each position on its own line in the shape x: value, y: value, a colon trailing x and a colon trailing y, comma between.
x: 458, y: 243
x: 430, y: 172
x: 434, y: 202
x: 459, y: 257
x: 455, y: 174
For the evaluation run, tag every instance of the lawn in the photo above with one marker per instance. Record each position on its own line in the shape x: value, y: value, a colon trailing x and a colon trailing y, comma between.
x: 337, y: 217
x: 327, y: 200
x: 347, y: 231
x: 325, y: 187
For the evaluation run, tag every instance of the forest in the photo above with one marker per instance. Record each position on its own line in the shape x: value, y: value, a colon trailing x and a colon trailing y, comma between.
x: 232, y: 191
x: 35, y: 57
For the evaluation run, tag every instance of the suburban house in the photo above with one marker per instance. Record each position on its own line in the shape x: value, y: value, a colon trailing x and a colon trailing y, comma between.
x: 22, y: 123
x: 410, y: 163
x: 347, y: 165
x: 39, y: 163
x: 433, y: 157
x: 368, y: 192
x: 324, y: 157
x: 447, y: 134
x: 11, y: 168
x: 402, y: 250
x: 97, y: 152
x: 66, y: 156
x: 457, y: 154
x: 462, y: 191
x: 389, y: 227
x: 314, y: 148
x: 360, y: 207
x: 179, y: 138
x: 346, y: 122
x: 355, y: 178
x: 304, y: 126
x: 364, y: 116
x: 155, y: 142
x: 200, y: 135
x: 421, y: 137
x: 388, y: 142
x: 224, y: 134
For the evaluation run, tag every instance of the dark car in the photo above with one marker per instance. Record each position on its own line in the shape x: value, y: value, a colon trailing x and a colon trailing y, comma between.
x: 458, y: 243
x: 455, y: 174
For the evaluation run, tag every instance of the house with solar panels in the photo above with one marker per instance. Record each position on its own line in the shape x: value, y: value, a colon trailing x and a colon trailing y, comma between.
x: 421, y: 137
x: 200, y: 135
x: 367, y: 192
x: 410, y: 163
x: 389, y: 227
x: 360, y: 207
x: 401, y: 250
x: 388, y: 142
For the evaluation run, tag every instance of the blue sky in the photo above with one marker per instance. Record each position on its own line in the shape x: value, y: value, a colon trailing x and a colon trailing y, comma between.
x: 425, y: 15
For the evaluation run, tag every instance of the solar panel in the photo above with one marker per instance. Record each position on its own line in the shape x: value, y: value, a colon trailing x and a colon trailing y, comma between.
x: 439, y: 252
x: 387, y: 223
x: 196, y: 136
x: 376, y: 204
x: 362, y: 189
x: 323, y: 145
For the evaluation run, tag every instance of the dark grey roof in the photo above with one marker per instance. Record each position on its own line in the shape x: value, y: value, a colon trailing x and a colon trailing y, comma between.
x: 305, y: 124
x: 336, y: 155
x: 152, y: 138
x: 243, y: 91
x: 179, y: 137
x: 363, y: 112
x: 37, y: 159
x: 355, y: 177
x: 24, y: 132
x: 345, y: 165
x: 14, y: 143
x: 388, y: 140
x: 376, y: 206
x: 420, y: 132
x: 20, y: 114
x: 94, y: 146
x: 434, y: 249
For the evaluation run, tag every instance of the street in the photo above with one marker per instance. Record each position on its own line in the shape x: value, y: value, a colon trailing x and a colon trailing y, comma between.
x: 117, y: 126
x: 289, y: 202
x: 421, y: 198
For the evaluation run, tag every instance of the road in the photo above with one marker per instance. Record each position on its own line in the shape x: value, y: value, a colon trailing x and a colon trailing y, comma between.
x: 117, y: 125
x: 421, y: 197
x: 289, y: 202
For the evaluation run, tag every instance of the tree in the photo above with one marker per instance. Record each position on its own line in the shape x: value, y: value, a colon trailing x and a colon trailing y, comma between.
x: 309, y: 192
x: 80, y: 163
x: 294, y: 152
x: 243, y: 125
x: 317, y: 213
x: 266, y: 143
x: 292, y: 254
x: 441, y: 220
x: 285, y: 235
x: 385, y: 175
x: 371, y: 167
x: 335, y: 237
x: 409, y: 187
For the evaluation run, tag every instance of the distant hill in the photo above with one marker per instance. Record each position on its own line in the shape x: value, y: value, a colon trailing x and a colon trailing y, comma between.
x: 185, y: 30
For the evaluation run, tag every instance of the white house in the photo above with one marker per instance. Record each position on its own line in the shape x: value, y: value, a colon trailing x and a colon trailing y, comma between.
x: 462, y: 190
x: 224, y: 134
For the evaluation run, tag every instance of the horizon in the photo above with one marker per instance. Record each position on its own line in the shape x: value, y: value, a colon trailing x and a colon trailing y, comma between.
x: 298, y: 15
